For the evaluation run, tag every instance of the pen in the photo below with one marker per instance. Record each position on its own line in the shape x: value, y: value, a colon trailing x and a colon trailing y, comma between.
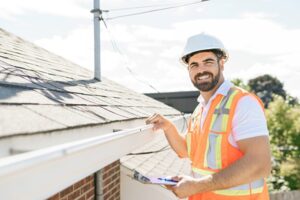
x: 168, y: 180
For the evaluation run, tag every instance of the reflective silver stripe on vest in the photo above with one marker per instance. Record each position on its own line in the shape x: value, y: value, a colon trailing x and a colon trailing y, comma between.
x: 218, y: 125
x: 219, y: 113
x: 212, y: 152
x: 254, y: 185
x: 222, y: 111
x: 246, y: 189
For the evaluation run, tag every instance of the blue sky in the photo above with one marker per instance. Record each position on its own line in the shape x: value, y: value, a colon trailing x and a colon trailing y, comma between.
x: 262, y: 36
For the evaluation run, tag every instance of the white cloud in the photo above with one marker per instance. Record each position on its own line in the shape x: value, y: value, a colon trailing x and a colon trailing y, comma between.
x: 67, y: 8
x: 255, y: 15
x: 255, y: 35
x: 153, y: 53
x: 77, y: 46
x: 285, y: 73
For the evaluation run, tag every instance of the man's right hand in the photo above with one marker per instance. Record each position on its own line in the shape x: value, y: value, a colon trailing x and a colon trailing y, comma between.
x: 159, y: 122
x: 176, y: 141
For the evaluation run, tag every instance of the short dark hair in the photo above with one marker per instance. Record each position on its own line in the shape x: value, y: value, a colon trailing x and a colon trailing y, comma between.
x: 218, y: 53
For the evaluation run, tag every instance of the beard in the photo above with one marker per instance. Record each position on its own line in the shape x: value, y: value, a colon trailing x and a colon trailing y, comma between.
x: 207, y: 85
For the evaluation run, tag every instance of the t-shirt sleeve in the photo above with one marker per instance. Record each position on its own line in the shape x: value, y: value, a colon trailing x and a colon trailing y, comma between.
x: 249, y: 119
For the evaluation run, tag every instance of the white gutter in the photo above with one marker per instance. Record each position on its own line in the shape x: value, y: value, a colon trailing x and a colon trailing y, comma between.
x: 42, y: 173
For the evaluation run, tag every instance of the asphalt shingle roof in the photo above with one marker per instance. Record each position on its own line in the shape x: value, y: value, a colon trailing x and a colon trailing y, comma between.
x: 164, y: 162
x: 41, y: 91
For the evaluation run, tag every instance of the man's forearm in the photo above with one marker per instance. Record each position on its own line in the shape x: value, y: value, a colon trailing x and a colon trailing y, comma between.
x: 176, y: 141
x: 244, y: 170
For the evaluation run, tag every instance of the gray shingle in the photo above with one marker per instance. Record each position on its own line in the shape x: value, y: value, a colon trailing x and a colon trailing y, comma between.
x: 20, y: 120
x: 163, y: 163
x: 16, y: 95
x: 58, y: 94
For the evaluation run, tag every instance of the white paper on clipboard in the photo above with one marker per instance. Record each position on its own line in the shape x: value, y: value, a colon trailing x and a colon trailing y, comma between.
x: 162, y: 181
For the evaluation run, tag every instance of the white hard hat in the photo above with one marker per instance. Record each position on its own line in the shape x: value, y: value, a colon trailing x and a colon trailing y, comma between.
x: 202, y: 42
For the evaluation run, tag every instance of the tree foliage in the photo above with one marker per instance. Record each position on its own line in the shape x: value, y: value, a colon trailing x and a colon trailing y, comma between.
x: 265, y: 87
x: 284, y: 128
x: 240, y: 83
x: 283, y: 117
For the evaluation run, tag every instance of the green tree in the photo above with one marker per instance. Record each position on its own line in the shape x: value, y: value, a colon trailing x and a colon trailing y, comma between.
x: 284, y: 127
x: 265, y: 87
x: 240, y: 83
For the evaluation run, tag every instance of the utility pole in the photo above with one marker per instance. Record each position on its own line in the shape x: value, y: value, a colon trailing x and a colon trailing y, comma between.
x: 97, y: 58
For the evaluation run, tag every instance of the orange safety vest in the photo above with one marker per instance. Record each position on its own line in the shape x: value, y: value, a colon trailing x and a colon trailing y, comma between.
x: 210, y: 150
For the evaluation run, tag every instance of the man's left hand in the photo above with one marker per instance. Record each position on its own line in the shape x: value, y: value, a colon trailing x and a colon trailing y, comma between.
x: 185, y: 187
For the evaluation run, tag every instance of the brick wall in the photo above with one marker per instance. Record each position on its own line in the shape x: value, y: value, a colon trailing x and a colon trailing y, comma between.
x: 109, y: 182
x: 104, y: 185
x: 82, y: 190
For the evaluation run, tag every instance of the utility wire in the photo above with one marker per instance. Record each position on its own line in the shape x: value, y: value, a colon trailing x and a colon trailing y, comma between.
x: 155, y: 10
x: 113, y: 41
x: 165, y: 148
x: 148, y: 6
x: 118, y: 50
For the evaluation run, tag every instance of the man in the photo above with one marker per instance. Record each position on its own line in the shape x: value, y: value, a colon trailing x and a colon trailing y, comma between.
x: 227, y: 138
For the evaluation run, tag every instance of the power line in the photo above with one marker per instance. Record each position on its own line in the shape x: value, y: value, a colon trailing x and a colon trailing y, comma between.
x: 165, y: 148
x: 141, y: 7
x: 155, y: 10
x: 113, y: 41
x: 118, y: 50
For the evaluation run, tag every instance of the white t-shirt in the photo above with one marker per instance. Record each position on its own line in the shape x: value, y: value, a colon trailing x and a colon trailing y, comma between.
x: 248, y: 120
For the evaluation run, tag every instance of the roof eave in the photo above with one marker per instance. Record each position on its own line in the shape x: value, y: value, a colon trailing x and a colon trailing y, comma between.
x: 55, y: 168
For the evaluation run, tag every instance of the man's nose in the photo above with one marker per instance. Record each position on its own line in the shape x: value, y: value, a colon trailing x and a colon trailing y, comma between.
x: 200, y: 69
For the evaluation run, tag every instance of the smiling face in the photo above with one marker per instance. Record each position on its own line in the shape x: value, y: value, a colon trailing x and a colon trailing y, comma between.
x: 206, y: 71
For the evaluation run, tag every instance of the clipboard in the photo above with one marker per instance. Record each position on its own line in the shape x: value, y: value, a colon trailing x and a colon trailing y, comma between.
x: 153, y: 180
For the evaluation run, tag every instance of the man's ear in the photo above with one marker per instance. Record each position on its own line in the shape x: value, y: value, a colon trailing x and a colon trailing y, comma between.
x: 221, y: 63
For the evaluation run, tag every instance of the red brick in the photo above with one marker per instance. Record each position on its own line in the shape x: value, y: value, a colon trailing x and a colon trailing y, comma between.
x: 106, y: 196
x: 112, y: 165
x: 105, y: 190
x: 117, y: 195
x: 110, y: 185
x: 108, y: 170
x: 106, y: 182
x: 66, y: 191
x: 81, y: 198
x: 107, y: 167
x: 105, y: 175
x: 115, y: 169
x: 111, y: 198
x: 74, y: 195
x: 54, y: 197
x: 79, y: 184
x: 114, y: 190
x: 90, y: 178
x: 118, y: 179
x: 89, y: 186
x: 90, y: 193
x: 85, y: 188
x: 115, y: 176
